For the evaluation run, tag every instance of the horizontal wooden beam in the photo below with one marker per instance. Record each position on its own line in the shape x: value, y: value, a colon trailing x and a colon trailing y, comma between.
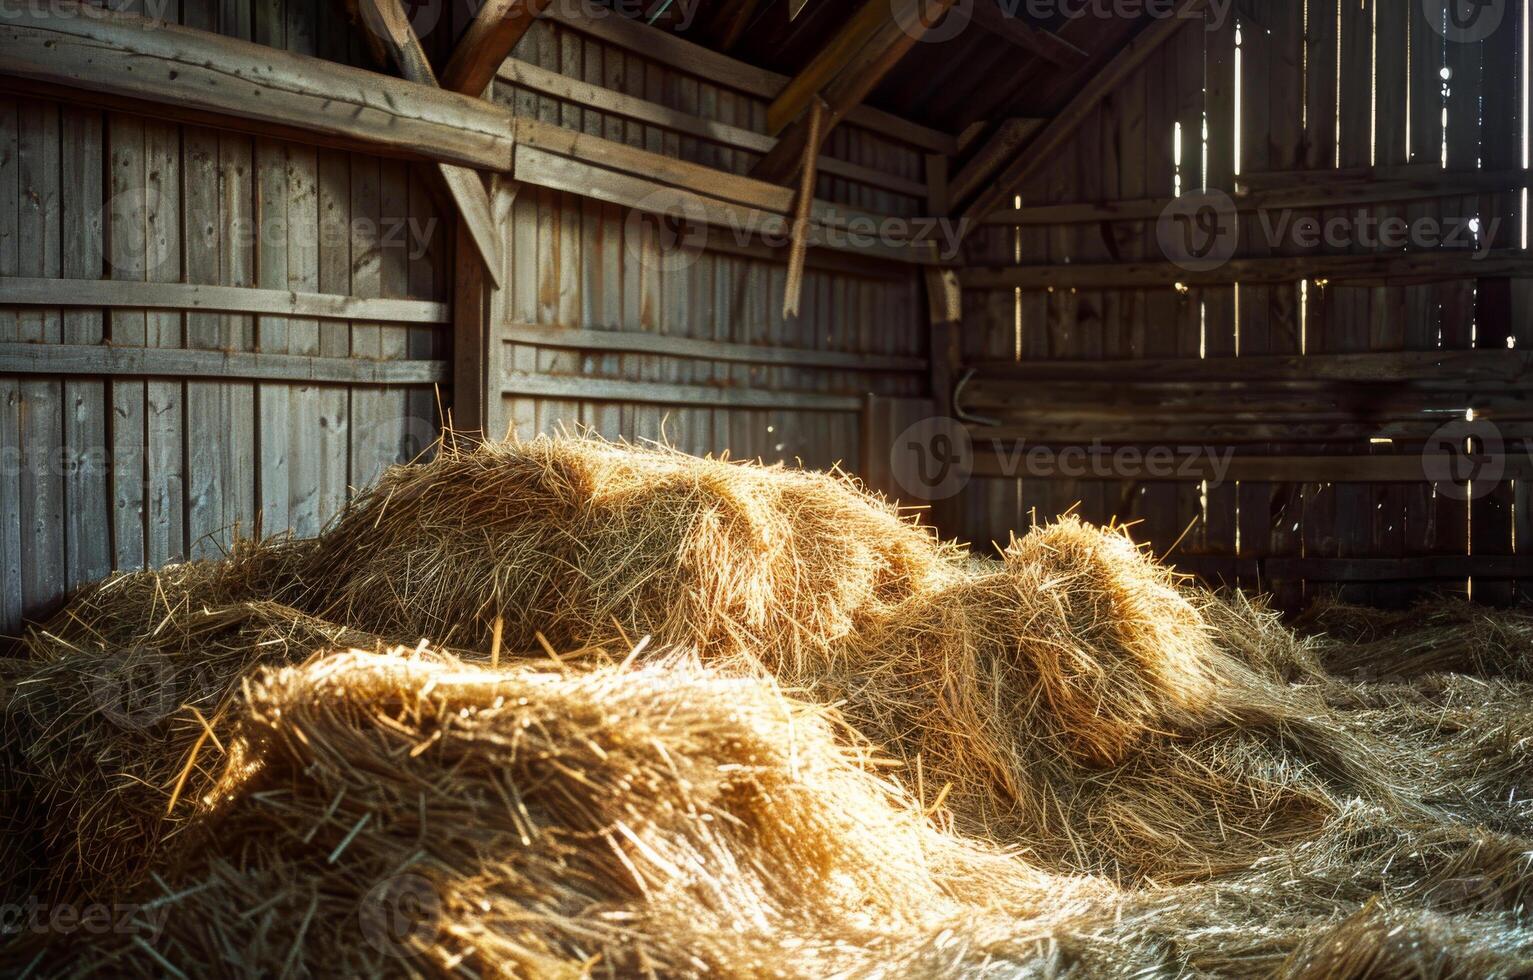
x: 1306, y: 190
x: 186, y: 297
x: 1172, y: 428
x: 582, y: 93
x: 1427, y: 568
x: 607, y: 171
x: 169, y: 362
x: 713, y: 350
x: 1373, y: 269
x: 518, y: 385
x: 681, y: 54
x: 252, y: 87
x: 1466, y: 367
x: 696, y: 178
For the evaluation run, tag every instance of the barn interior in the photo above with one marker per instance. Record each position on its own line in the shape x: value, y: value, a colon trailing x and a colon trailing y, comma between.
x: 946, y: 487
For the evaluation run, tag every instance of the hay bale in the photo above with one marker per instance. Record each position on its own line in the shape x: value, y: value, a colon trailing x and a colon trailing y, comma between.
x: 100, y: 718
x: 383, y: 814
x: 566, y: 536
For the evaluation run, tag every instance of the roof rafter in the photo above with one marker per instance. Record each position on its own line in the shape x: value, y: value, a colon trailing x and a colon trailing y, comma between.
x: 496, y: 29
x: 1062, y: 127
x: 988, y: 16
x: 895, y: 29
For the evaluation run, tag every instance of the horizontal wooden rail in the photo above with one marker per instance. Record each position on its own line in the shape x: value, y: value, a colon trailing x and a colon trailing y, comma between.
x: 191, y: 298
x: 248, y: 86
x: 591, y: 96
x: 693, y: 177
x: 170, y: 362
x: 1210, y: 402
x: 1292, y: 190
x: 519, y: 385
x: 1170, y: 429
x: 1468, y: 366
x: 713, y: 350
x: 1425, y: 568
x: 1377, y: 269
x: 606, y: 171
x: 681, y: 54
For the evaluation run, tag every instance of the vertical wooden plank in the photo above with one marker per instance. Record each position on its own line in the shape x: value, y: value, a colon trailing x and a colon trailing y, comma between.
x: 165, y: 422
x: 1492, y: 517
x: 273, y: 401
x: 42, y: 412
x: 1159, y: 501
x: 10, y: 387
x: 1221, y: 319
x: 1388, y: 305
x: 126, y: 243
x: 1274, y: 521
x: 87, y: 500
x: 404, y: 436
x: 1322, y: 53
x: 371, y: 447
x: 1464, y: 65
x: 205, y: 408
x: 1347, y: 326
x: 429, y: 242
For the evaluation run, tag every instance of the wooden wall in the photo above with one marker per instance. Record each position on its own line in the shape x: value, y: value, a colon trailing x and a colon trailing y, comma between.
x: 127, y: 437
x: 577, y: 265
x: 1285, y: 85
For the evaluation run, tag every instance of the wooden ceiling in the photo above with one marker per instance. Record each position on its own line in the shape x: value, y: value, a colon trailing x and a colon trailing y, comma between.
x: 992, y: 68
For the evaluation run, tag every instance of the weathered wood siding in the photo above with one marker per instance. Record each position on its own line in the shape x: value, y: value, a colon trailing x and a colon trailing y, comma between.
x: 127, y: 470
x: 579, y: 264
x: 1284, y: 85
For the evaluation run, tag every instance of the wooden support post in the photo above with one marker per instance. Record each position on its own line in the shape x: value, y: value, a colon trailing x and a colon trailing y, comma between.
x: 479, y: 312
x: 937, y: 202
x: 944, y: 301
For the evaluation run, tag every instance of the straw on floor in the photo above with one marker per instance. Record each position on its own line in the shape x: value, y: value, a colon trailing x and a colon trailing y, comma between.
x: 1196, y: 784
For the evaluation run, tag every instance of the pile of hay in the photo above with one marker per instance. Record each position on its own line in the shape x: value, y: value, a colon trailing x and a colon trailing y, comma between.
x: 1015, y: 683
x: 1067, y: 716
x: 408, y: 811
x: 1446, y: 635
